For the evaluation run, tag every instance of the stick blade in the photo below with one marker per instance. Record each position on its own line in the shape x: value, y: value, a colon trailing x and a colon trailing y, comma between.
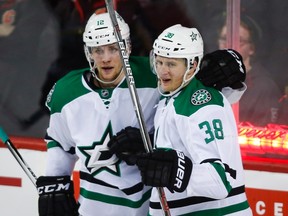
x: 3, y: 136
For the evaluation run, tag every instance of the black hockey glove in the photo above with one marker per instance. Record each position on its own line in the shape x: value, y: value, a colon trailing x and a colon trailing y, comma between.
x: 171, y: 169
x: 56, y: 196
x: 126, y: 144
x: 222, y: 68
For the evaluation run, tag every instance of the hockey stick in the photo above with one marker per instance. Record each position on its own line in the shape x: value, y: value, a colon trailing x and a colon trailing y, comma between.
x: 134, y: 95
x: 5, y: 139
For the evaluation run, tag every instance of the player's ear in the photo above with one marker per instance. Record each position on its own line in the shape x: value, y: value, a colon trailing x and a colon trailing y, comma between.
x: 192, y: 69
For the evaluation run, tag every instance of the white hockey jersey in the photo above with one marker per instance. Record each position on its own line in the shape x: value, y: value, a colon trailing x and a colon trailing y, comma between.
x: 83, y: 118
x: 199, y: 121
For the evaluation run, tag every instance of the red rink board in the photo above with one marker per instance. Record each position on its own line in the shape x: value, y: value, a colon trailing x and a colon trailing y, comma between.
x: 268, y: 202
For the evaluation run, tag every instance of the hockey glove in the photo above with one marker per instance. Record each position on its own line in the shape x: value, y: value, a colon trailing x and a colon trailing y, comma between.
x: 171, y: 169
x: 56, y: 196
x: 126, y: 144
x: 222, y: 68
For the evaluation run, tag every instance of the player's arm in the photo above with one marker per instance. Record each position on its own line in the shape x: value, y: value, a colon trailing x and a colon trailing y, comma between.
x: 56, y: 189
x: 212, y: 145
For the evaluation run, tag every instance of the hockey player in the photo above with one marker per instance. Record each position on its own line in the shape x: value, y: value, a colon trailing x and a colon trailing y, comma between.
x: 87, y: 108
x: 197, y: 156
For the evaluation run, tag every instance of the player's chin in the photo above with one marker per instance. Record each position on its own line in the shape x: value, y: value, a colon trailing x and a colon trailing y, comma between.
x: 166, y: 85
x: 165, y: 89
x: 109, y: 76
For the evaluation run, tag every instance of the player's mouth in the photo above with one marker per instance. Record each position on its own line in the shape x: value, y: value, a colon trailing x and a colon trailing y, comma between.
x: 107, y: 70
x: 165, y: 81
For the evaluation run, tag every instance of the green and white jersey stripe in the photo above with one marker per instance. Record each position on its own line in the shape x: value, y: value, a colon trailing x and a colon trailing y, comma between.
x: 82, y: 121
x: 199, y: 121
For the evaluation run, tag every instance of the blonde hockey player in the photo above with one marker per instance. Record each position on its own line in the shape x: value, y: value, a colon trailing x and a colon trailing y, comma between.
x: 87, y: 108
x: 197, y: 156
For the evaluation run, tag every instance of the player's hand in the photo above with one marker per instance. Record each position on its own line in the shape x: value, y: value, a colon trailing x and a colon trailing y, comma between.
x: 222, y: 68
x: 56, y: 196
x: 161, y: 168
x: 126, y: 144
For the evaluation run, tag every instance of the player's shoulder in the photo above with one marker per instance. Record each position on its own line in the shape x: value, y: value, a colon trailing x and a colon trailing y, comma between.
x: 196, y: 96
x: 139, y: 61
x: 66, y: 90
x: 141, y: 70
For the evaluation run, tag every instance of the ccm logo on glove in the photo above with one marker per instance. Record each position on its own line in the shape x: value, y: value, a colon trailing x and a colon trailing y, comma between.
x: 56, y: 196
x: 53, y: 188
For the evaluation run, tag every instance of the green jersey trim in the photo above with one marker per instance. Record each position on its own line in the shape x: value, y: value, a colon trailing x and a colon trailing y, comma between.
x: 53, y: 144
x: 195, y: 96
x: 220, y: 170
x: 115, y: 200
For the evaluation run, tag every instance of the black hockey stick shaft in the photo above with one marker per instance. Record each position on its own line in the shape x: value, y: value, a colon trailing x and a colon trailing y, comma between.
x: 134, y: 95
x: 5, y: 139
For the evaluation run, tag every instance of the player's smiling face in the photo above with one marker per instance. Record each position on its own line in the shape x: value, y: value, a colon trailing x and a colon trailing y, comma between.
x: 108, y: 61
x: 170, y: 72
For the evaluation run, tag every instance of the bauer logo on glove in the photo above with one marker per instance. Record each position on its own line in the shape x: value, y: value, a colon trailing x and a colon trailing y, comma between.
x: 181, y: 170
x: 165, y: 168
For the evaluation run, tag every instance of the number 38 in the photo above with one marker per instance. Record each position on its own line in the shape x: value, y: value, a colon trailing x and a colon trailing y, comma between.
x: 214, y: 130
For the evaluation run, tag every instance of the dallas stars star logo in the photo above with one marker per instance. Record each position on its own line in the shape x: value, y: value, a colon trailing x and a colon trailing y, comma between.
x: 98, y: 156
x: 193, y: 36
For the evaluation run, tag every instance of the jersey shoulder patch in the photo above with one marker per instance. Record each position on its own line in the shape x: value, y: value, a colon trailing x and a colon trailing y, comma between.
x: 66, y: 90
x: 195, y: 96
x: 200, y: 97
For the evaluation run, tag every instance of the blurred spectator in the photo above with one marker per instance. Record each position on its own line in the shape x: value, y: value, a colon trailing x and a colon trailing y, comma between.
x: 259, y: 104
x: 28, y: 46
x: 277, y: 42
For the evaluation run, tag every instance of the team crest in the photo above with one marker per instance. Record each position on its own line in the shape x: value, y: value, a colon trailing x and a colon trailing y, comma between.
x: 201, y: 96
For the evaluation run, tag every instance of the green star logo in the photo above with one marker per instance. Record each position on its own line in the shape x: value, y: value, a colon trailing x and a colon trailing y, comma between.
x: 193, y: 36
x: 98, y: 156
x: 169, y: 35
